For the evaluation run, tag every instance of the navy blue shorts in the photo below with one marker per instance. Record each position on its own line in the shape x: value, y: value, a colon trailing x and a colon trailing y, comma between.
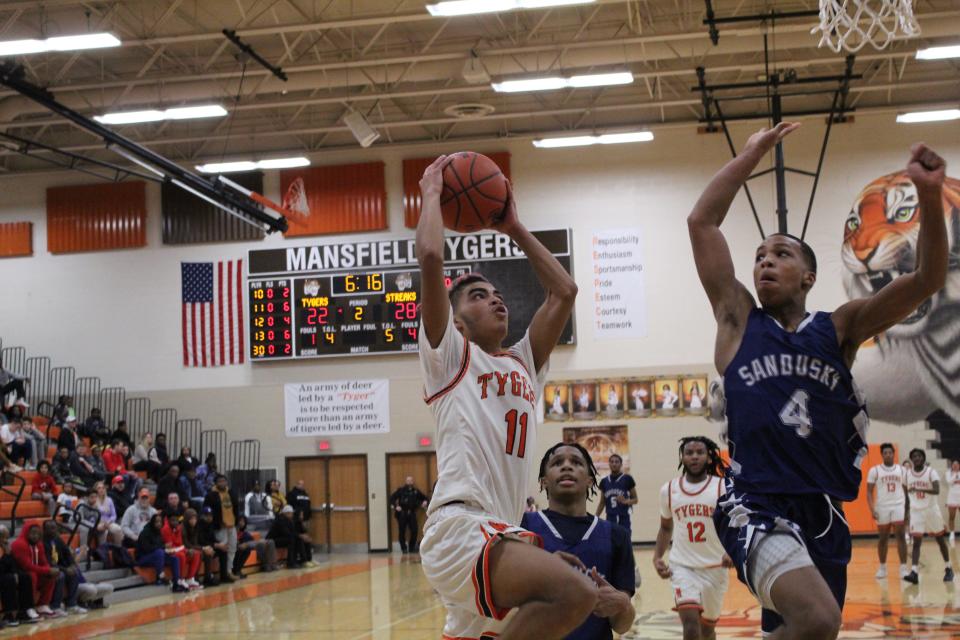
x: 622, y: 519
x: 809, y: 518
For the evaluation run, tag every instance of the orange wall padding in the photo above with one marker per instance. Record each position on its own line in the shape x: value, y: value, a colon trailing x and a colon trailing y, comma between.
x: 16, y: 239
x: 96, y: 217
x: 413, y: 169
x: 341, y: 199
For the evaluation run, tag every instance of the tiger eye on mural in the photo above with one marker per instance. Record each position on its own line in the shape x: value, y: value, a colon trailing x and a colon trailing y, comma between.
x: 913, y: 369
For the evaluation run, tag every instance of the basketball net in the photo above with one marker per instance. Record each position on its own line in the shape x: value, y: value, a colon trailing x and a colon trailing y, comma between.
x: 296, y: 198
x: 851, y: 24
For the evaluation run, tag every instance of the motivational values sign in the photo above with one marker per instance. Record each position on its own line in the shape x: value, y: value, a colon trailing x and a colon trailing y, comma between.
x: 337, y: 408
x: 619, y: 290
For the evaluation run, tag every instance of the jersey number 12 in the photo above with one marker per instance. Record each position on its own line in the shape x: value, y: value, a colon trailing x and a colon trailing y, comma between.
x: 695, y: 531
x: 512, y: 420
x: 795, y: 413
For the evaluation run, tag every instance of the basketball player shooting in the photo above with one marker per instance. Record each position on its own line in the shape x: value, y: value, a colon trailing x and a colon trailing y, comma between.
x: 796, y: 426
x: 485, y: 399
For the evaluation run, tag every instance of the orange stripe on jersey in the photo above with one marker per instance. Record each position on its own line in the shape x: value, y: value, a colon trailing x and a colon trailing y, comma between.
x: 464, y: 366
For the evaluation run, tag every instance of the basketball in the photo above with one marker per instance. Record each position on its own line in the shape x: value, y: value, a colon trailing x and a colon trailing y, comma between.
x: 474, y: 192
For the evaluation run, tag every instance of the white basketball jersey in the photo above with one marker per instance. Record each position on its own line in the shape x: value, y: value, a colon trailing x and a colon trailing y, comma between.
x: 953, y: 481
x: 889, y: 482
x: 921, y: 482
x: 695, y: 541
x: 487, y: 409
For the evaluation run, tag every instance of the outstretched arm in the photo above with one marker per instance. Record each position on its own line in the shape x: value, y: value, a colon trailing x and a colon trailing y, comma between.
x: 434, y: 304
x: 552, y: 316
x: 730, y: 300
x: 859, y: 320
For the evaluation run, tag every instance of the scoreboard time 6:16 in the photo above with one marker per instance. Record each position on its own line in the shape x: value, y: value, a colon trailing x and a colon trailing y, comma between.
x: 363, y: 298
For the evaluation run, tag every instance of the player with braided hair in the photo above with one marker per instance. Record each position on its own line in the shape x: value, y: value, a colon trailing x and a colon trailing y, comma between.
x: 698, y: 564
x: 598, y: 547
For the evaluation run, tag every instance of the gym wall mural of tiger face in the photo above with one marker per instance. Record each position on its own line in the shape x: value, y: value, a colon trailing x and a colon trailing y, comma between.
x: 914, y: 368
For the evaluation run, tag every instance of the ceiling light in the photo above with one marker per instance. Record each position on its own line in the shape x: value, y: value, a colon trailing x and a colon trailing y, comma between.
x: 928, y: 116
x: 467, y: 7
x: 249, y: 165
x: 553, y: 83
x: 60, y: 43
x: 155, y: 115
x: 939, y: 53
x: 584, y: 141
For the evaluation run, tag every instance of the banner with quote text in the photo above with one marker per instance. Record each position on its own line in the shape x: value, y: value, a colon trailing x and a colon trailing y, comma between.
x: 619, y: 290
x: 337, y: 408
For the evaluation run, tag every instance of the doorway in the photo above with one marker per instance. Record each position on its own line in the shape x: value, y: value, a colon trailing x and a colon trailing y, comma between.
x: 422, y: 465
x: 337, y: 486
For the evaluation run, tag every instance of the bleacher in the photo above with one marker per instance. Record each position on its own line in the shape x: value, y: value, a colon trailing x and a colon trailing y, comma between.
x: 239, y: 460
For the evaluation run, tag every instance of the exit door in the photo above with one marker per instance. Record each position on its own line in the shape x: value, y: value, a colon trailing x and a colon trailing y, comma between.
x: 337, y: 486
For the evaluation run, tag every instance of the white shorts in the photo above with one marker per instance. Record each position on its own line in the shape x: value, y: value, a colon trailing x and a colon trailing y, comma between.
x: 773, y: 555
x: 928, y: 520
x: 701, y: 589
x: 455, y: 555
x: 953, y: 498
x: 890, y: 514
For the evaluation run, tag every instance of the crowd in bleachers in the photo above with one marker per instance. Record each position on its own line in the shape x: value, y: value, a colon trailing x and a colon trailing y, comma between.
x: 175, y: 521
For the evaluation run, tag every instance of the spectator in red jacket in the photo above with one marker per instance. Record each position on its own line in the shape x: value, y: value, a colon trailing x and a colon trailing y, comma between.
x: 27, y: 551
x: 44, y: 487
x: 115, y: 462
x: 190, y: 559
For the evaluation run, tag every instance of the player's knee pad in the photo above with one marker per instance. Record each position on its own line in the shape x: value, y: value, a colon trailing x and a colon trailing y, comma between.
x: 773, y: 555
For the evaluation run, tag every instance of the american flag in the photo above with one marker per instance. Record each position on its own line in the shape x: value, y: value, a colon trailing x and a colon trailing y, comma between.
x: 212, y: 315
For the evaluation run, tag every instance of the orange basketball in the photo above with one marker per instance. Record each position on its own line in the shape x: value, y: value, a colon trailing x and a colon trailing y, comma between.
x: 474, y: 192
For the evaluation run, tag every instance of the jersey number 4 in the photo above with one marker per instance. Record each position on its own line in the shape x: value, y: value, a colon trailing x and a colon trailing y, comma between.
x: 795, y: 413
x: 695, y: 531
x: 514, y: 417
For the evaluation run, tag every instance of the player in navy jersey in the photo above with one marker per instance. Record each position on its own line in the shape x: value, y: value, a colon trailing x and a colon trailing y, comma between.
x: 795, y: 424
x: 599, y: 547
x: 619, y: 493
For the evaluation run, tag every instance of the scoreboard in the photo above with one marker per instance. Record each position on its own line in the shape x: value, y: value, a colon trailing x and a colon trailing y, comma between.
x: 363, y: 298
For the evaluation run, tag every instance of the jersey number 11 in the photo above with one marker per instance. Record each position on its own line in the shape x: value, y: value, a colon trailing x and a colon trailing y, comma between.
x: 512, y: 420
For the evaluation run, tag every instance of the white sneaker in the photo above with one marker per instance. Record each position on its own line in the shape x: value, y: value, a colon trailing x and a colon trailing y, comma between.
x: 22, y: 404
x: 77, y: 610
x: 44, y: 610
x: 192, y: 582
x: 32, y: 614
x: 881, y: 572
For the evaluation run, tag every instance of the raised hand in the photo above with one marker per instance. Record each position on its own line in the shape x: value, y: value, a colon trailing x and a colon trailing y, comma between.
x: 765, y: 139
x: 925, y: 167
x: 509, y: 220
x: 432, y: 181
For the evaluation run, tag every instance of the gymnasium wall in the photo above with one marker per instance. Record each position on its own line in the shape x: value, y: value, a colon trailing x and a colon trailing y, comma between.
x: 116, y: 314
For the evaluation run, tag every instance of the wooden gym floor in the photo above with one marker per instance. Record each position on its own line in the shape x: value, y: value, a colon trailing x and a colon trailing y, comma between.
x: 382, y: 597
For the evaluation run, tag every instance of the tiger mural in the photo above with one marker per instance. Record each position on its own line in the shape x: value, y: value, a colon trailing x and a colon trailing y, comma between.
x: 913, y: 369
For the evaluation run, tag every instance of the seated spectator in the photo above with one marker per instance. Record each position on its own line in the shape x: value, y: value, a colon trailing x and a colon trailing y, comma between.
x: 61, y: 467
x: 186, y: 460
x: 62, y: 411
x: 284, y: 534
x: 189, y: 559
x: 190, y: 487
x: 75, y: 588
x: 123, y: 434
x: 31, y: 431
x: 256, y: 508
x: 173, y: 508
x: 266, y: 549
x: 207, y: 537
x: 207, y: 472
x: 152, y: 552
x: 169, y: 483
x: 141, y: 458
x: 95, y: 428
x: 68, y: 500
x: 135, y: 519
x: 115, y: 461
x: 158, y: 452
x: 16, y: 587
x: 68, y: 434
x: 44, y: 487
x: 120, y: 496
x: 32, y: 559
x: 99, y: 466
x: 82, y: 466
x: 191, y: 540
x: 19, y: 446
x: 299, y: 499
x: 108, y: 514
x: 277, y: 499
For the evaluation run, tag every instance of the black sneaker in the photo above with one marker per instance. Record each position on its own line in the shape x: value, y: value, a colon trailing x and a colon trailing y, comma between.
x: 948, y: 574
x: 912, y: 578
x: 179, y: 588
x: 162, y: 582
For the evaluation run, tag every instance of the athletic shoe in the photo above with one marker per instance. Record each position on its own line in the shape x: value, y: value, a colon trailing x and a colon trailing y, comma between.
x: 22, y: 404
x: 881, y: 572
x: 77, y: 610
x: 32, y: 615
x: 12, y: 622
x: 948, y: 574
x: 179, y: 588
x: 310, y: 564
x: 192, y: 582
x: 162, y: 582
x: 44, y: 610
x: 55, y: 613
x: 912, y: 578
x: 903, y: 571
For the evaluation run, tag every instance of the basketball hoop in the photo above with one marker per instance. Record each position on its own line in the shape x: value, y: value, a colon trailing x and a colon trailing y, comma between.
x: 851, y: 24
x: 296, y: 198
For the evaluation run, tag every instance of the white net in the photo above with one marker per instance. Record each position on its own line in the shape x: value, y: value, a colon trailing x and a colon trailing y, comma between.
x: 295, y: 199
x: 851, y: 24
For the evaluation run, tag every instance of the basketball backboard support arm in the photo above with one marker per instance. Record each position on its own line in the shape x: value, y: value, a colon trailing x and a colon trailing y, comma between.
x: 772, y: 84
x: 214, y: 191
